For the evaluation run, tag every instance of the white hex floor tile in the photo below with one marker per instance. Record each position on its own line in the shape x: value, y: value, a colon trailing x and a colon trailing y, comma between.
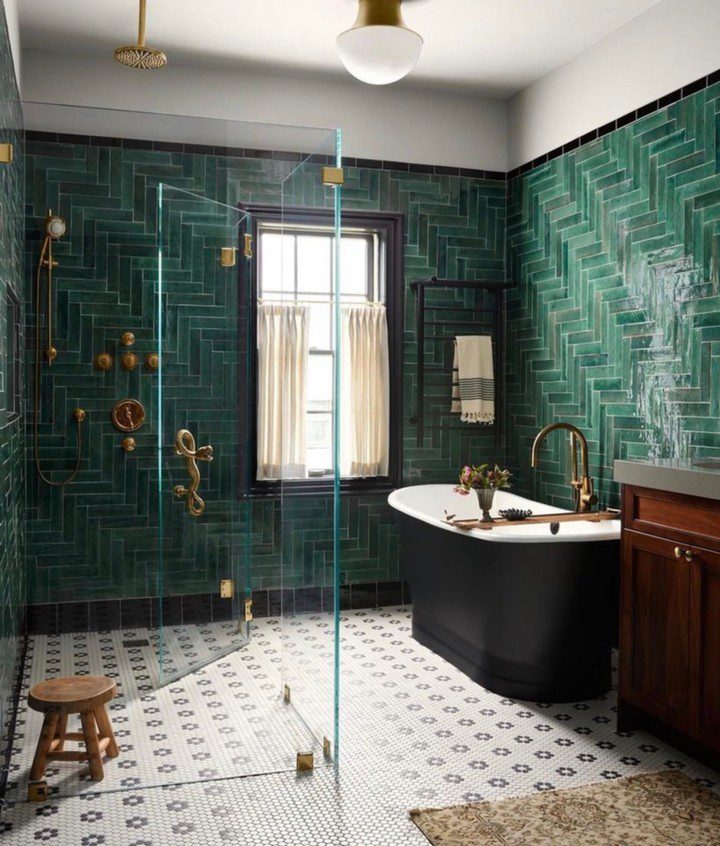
x: 415, y: 732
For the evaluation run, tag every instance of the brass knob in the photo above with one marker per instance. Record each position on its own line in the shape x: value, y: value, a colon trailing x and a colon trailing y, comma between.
x: 129, y: 361
x: 128, y: 444
x: 688, y: 555
x: 103, y: 361
x: 79, y: 414
x: 51, y: 353
x: 678, y: 552
x: 152, y: 361
x: 127, y: 339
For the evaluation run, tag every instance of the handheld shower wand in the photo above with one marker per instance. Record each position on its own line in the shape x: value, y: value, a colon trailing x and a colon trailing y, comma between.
x: 55, y: 228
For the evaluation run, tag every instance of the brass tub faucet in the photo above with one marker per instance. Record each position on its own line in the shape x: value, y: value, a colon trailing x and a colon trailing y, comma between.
x: 583, y: 489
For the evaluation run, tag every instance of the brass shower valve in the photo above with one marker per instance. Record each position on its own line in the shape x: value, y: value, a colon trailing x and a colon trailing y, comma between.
x: 129, y: 361
x: 103, y: 361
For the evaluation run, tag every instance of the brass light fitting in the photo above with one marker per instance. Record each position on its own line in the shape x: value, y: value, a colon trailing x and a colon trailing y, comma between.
x: 139, y: 55
x: 583, y: 489
x: 379, y: 48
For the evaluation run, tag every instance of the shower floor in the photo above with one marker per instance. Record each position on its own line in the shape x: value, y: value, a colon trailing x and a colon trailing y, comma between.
x: 225, y: 719
x: 416, y: 733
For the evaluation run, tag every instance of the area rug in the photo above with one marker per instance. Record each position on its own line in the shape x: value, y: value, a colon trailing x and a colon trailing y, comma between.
x: 658, y: 809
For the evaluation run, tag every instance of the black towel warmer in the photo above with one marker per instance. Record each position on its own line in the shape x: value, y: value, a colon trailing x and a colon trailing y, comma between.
x: 490, y: 322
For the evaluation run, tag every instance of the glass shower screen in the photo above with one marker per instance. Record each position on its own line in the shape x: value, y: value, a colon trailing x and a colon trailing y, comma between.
x: 310, y: 485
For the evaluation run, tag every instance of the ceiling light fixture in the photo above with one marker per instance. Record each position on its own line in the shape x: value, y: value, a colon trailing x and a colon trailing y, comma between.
x: 380, y: 48
x: 139, y: 55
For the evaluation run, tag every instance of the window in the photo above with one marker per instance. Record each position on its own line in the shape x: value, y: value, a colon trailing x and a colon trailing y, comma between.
x: 293, y: 262
x: 12, y: 355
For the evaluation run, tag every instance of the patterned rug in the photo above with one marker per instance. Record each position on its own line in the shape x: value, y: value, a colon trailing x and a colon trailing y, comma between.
x: 658, y: 809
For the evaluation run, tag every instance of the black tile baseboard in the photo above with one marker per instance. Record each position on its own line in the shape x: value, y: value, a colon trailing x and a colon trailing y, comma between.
x: 137, y: 612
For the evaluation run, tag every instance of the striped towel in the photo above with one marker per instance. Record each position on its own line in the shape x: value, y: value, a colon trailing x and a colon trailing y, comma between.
x: 473, y: 381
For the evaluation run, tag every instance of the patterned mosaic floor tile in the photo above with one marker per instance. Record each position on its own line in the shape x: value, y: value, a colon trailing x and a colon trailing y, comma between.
x: 415, y: 733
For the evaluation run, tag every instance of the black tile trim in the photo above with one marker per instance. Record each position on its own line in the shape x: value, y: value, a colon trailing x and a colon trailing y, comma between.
x: 108, y: 614
x: 19, y: 675
x: 376, y: 164
x: 247, y: 153
x: 648, y: 109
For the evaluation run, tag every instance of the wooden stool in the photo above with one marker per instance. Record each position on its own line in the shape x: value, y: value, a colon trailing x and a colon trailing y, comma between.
x: 57, y: 699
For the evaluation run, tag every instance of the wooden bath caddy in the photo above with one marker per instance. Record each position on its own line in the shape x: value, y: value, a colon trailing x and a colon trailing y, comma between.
x: 573, y: 517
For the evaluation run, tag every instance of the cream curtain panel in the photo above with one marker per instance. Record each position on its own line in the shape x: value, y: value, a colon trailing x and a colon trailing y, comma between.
x: 365, y: 391
x: 282, y: 340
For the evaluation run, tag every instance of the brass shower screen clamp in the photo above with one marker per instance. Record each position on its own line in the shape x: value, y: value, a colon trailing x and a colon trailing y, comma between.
x: 333, y: 176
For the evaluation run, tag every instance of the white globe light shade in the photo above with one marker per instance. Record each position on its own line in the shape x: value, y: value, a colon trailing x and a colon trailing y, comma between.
x: 379, y: 55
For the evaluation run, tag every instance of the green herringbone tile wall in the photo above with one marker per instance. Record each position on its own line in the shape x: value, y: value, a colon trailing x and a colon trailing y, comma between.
x: 615, y: 325
x: 12, y: 499
x: 98, y: 537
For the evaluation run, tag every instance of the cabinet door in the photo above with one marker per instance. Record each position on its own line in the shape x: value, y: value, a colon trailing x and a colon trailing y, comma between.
x: 705, y: 646
x: 655, y: 627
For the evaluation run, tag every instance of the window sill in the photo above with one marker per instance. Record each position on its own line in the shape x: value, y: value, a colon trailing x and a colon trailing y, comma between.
x: 320, y: 487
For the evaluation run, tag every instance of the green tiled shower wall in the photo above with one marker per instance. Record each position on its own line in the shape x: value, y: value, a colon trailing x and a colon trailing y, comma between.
x: 615, y: 322
x: 12, y: 504
x: 98, y: 538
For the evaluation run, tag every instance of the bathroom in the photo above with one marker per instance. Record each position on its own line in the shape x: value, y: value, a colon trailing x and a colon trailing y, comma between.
x: 274, y: 581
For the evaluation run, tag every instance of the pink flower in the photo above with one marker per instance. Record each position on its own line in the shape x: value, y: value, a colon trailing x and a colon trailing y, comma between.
x: 462, y: 491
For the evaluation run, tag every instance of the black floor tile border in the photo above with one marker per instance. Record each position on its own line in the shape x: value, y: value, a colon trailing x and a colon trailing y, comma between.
x: 109, y: 614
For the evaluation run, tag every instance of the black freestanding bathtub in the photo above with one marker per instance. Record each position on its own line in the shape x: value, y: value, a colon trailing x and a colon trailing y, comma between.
x: 525, y: 613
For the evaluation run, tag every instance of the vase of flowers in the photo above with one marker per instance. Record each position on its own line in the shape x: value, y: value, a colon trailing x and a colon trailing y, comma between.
x: 484, y: 482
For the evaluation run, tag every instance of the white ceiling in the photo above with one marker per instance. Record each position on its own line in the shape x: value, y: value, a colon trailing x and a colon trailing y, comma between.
x: 496, y: 47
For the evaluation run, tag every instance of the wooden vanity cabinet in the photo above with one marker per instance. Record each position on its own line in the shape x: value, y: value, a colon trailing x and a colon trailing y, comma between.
x: 670, y: 618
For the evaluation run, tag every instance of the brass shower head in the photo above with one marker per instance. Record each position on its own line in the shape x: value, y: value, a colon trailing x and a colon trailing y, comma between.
x: 139, y: 55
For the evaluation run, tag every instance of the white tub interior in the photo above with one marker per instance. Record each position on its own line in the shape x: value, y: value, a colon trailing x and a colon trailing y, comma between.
x: 430, y: 502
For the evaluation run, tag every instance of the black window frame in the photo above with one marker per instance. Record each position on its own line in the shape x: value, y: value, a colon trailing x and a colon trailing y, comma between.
x: 391, y: 225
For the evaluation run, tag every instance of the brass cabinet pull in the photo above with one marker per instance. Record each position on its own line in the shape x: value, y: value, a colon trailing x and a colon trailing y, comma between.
x: 185, y: 446
x: 687, y: 554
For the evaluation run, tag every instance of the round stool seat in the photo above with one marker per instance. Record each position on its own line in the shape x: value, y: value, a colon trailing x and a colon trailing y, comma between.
x: 72, y: 694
